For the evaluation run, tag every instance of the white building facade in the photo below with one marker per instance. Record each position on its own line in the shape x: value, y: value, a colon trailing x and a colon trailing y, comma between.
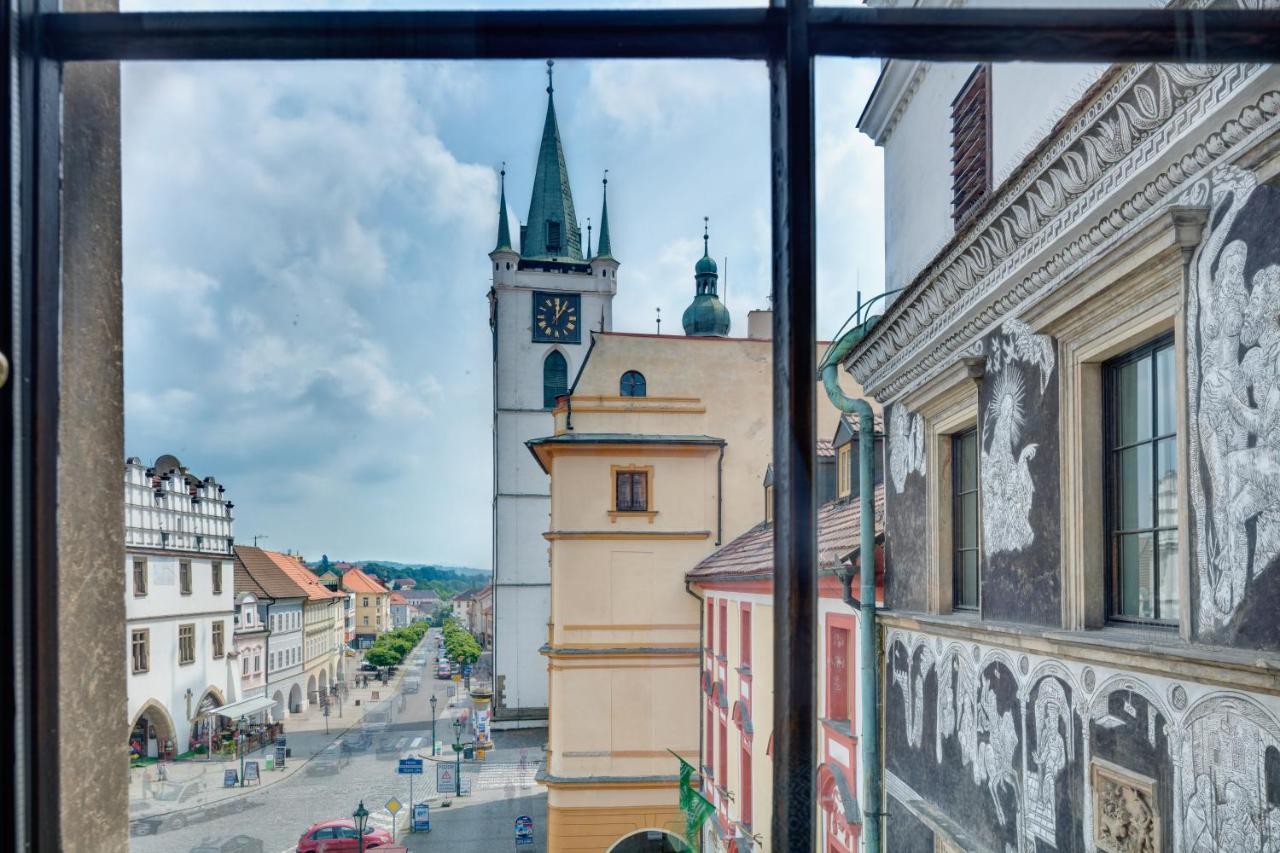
x: 285, y: 663
x: 250, y: 643
x: 179, y: 604
x: 548, y: 294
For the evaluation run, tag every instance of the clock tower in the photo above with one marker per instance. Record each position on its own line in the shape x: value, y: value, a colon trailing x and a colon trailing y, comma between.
x: 548, y: 295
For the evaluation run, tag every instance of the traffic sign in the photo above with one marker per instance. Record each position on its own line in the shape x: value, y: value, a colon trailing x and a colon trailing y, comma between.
x: 446, y: 778
x: 393, y: 805
x: 421, y: 817
x: 411, y: 766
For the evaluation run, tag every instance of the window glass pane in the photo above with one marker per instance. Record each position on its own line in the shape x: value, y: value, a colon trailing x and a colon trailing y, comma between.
x: 1167, y: 573
x: 1133, y: 400
x: 969, y: 575
x: 969, y: 461
x: 1166, y: 392
x: 967, y: 535
x: 1135, y: 567
x: 1167, y: 482
x: 1132, y: 488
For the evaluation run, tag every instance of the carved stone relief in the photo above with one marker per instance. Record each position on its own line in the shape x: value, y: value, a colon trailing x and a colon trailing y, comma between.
x: 1046, y: 766
x: 1126, y: 819
x: 906, y: 447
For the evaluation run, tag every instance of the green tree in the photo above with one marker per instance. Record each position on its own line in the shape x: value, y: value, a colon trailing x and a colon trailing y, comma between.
x: 381, y: 656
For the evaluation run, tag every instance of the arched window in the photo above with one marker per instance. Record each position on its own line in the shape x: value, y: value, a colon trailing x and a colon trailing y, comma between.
x: 555, y: 379
x: 632, y: 384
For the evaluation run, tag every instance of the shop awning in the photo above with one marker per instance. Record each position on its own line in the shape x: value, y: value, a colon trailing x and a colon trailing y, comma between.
x: 244, y: 707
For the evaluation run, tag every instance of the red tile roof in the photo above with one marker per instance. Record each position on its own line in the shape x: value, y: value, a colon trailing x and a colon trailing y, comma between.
x: 750, y: 556
x: 397, y: 598
x: 302, y: 576
x: 354, y: 580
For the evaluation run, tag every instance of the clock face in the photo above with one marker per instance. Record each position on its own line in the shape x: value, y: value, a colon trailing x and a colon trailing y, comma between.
x: 555, y: 317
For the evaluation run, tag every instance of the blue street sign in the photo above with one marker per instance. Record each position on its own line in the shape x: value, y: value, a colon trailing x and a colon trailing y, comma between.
x: 421, y: 817
x: 466, y: 669
x: 411, y: 766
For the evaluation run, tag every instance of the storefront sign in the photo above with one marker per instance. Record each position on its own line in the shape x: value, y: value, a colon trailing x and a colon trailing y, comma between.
x: 251, y: 772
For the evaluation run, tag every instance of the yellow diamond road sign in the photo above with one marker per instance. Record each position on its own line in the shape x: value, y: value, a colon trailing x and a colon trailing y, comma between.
x: 393, y: 805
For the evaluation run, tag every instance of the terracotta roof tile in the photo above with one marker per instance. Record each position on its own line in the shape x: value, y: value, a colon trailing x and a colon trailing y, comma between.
x: 275, y: 581
x: 245, y: 583
x: 354, y: 580
x: 397, y: 598
x: 751, y: 554
x: 302, y: 576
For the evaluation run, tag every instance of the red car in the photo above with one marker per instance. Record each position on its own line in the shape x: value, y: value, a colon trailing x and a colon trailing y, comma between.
x: 339, y: 836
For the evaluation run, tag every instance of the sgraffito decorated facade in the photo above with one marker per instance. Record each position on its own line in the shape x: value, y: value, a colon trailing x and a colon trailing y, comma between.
x: 1105, y: 330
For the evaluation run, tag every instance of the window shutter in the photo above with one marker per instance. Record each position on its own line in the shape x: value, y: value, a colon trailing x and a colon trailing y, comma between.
x: 971, y: 144
x: 555, y: 379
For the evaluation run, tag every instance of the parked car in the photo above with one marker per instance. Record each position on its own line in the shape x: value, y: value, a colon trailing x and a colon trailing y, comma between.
x: 339, y: 836
x: 365, y: 666
x: 231, y: 844
x: 444, y: 670
x: 329, y: 762
x: 412, y: 685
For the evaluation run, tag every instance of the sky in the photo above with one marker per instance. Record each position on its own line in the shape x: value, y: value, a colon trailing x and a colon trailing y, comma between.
x: 305, y: 263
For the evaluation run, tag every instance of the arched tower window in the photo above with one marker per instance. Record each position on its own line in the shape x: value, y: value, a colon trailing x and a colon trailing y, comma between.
x: 555, y: 378
x: 632, y: 384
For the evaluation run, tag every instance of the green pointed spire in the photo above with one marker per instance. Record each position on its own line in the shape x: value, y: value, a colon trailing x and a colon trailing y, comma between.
x: 551, y: 231
x: 504, y: 231
x: 603, y: 248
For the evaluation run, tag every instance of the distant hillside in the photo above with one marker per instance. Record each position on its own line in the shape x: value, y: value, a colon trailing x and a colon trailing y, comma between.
x: 446, y: 581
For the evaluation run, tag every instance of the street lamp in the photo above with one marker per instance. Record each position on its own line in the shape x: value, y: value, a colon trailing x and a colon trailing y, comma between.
x: 457, y: 751
x: 361, y: 818
x: 244, y: 722
x: 433, y: 725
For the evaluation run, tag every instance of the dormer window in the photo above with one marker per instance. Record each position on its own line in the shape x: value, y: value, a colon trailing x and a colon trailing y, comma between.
x: 632, y: 384
x: 553, y: 236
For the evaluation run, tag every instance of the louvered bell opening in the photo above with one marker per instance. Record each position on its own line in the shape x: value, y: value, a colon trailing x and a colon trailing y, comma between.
x: 971, y: 144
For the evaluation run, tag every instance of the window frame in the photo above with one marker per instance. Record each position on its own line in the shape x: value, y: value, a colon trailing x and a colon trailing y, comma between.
x: 143, y: 634
x: 186, y: 634
x: 957, y: 494
x: 185, y: 582
x: 1163, y: 342
x: 218, y: 638
x: 638, y: 381
x: 788, y: 36
x: 140, y: 589
x: 215, y: 575
x: 618, y: 471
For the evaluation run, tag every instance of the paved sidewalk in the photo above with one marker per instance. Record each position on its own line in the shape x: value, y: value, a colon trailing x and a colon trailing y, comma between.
x: 306, y: 736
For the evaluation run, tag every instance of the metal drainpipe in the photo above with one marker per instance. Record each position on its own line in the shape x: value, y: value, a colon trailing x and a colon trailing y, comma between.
x: 868, y: 657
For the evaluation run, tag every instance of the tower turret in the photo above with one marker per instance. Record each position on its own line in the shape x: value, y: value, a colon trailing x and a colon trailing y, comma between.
x: 551, y: 230
x: 706, y: 316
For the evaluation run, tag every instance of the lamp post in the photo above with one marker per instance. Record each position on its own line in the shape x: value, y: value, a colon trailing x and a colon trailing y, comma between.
x: 244, y: 721
x: 457, y: 751
x: 433, y: 725
x: 361, y: 818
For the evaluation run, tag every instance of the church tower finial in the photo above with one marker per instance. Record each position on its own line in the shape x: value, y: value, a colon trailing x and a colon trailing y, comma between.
x: 504, y: 231
x: 551, y: 230
x: 604, y: 249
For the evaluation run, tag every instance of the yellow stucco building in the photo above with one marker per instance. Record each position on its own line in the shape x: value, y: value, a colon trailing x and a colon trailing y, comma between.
x: 655, y: 461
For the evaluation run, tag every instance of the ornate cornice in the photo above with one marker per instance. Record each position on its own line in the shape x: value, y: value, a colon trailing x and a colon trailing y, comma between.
x: 1132, y: 121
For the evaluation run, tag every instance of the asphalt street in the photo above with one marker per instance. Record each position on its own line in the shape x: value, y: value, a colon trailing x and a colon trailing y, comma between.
x: 502, y: 788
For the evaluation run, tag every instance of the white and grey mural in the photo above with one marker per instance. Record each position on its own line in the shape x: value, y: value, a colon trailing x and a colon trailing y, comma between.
x: 1044, y: 754
x: 1233, y: 368
x: 1007, y: 485
x: 906, y: 447
x: 1019, y: 475
x: 905, y: 515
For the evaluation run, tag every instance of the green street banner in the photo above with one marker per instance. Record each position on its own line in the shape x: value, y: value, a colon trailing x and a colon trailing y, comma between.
x: 696, y: 807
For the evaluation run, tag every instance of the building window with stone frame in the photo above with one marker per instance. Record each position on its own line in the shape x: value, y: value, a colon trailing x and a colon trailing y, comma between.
x: 187, y: 643
x: 219, y: 638
x: 184, y: 576
x: 141, y: 648
x: 216, y: 573
x: 966, y: 572
x: 844, y: 470
x: 631, y: 491
x: 139, y: 576
x: 1141, y: 484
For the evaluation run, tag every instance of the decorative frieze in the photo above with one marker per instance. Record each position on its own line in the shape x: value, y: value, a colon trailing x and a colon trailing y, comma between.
x: 1125, y: 813
x: 1129, y: 125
